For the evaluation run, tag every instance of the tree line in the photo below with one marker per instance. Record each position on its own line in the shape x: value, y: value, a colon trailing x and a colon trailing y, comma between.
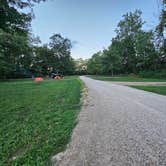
x: 20, y: 53
x: 133, y: 50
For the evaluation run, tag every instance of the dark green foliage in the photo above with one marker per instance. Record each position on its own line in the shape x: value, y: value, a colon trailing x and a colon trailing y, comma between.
x: 13, y: 48
x: 95, y: 64
x: 11, y: 19
x: 161, y: 35
x: 56, y: 56
x: 61, y: 48
x: 36, y: 119
x: 17, y: 52
x: 14, y: 35
x: 162, y: 24
x: 132, y: 50
x: 153, y: 74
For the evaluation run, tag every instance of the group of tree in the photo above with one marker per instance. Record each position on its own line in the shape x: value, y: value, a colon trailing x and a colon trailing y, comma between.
x: 54, y: 56
x: 19, y: 56
x: 133, y: 50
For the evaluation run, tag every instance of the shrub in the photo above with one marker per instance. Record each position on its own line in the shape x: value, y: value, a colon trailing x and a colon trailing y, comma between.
x: 153, y: 74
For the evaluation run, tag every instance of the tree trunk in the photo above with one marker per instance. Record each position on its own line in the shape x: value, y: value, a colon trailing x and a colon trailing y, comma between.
x: 112, y: 72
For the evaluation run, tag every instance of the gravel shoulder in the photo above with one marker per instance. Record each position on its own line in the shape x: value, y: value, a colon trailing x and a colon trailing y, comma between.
x: 118, y: 126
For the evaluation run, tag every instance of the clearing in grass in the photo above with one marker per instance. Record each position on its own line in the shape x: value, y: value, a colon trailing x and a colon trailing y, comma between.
x: 36, y: 119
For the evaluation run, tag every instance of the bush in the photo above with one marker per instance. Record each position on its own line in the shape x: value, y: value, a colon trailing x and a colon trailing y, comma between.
x: 153, y: 74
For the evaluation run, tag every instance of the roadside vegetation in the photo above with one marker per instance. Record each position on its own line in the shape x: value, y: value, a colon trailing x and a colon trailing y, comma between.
x: 37, y: 119
x: 21, y: 52
x: 156, y: 89
x: 129, y: 78
x: 133, y: 49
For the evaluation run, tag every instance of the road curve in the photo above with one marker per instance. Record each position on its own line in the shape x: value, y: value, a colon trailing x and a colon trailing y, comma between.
x: 118, y: 126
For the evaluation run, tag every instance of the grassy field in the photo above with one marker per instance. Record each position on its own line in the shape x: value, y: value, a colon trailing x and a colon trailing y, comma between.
x: 156, y: 89
x: 127, y: 79
x: 36, y: 119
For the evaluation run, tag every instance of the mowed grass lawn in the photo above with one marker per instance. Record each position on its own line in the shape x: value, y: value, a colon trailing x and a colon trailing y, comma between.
x: 36, y: 119
x: 156, y: 89
x: 127, y: 79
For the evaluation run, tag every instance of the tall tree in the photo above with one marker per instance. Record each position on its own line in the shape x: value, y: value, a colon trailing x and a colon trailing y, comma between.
x: 162, y: 20
x: 161, y: 36
x: 131, y: 51
x: 94, y: 65
x: 111, y: 58
x: 127, y: 30
x: 14, y: 33
x: 41, y: 63
x: 61, y: 48
x: 146, y: 55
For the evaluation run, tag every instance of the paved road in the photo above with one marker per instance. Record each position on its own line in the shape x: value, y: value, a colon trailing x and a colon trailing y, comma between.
x: 118, y: 126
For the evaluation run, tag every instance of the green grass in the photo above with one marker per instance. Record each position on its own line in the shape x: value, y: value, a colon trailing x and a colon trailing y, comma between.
x: 156, y: 89
x: 36, y: 119
x: 127, y: 79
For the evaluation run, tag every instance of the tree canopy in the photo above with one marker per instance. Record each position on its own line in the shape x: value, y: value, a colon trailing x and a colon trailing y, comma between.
x: 132, y: 50
x: 18, y: 56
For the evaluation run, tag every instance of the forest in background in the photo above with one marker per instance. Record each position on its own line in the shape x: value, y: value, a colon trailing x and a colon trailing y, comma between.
x: 21, y: 54
x: 132, y: 50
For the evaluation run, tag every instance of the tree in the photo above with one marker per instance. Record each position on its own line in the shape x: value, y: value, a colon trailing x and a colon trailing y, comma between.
x: 14, y: 34
x: 127, y: 30
x: 41, y: 63
x: 162, y: 20
x: 61, y: 48
x: 161, y: 36
x: 146, y: 55
x: 132, y: 49
x: 12, y: 49
x: 53, y: 57
x: 94, y: 65
x: 111, y: 58
x: 12, y: 17
x: 136, y: 46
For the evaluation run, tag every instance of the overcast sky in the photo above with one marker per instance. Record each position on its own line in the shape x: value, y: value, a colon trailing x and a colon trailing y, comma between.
x: 89, y: 24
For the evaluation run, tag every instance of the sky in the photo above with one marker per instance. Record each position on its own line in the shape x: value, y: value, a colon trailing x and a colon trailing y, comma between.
x: 89, y: 24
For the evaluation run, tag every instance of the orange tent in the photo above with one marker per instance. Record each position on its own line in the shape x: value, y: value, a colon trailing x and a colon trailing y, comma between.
x: 38, y: 79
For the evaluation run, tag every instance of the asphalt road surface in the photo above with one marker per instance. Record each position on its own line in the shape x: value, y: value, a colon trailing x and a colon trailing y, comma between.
x: 118, y: 126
